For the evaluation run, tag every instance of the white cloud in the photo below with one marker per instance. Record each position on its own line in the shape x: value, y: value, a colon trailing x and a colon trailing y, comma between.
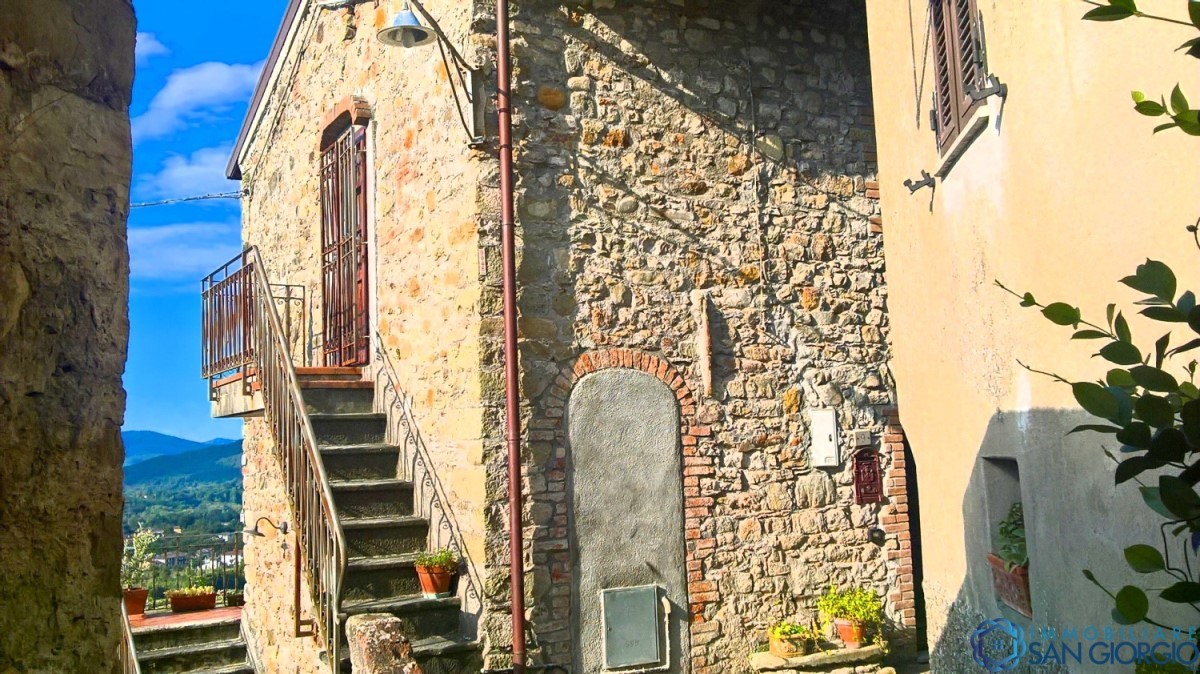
x: 195, y: 93
x: 202, y: 172
x: 181, y: 253
x: 147, y: 47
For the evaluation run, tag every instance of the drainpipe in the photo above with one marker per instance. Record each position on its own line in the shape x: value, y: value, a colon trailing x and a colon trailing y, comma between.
x: 511, y: 377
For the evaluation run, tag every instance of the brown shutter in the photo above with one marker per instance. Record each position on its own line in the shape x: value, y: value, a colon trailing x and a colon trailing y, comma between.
x: 945, y: 91
x: 970, y: 54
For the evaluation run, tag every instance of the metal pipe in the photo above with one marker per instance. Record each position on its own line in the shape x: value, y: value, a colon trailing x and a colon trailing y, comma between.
x: 509, y: 291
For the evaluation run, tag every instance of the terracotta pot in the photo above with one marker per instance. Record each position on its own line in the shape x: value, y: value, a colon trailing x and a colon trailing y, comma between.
x: 1011, y: 585
x: 851, y: 632
x: 135, y: 600
x: 200, y: 602
x: 788, y: 646
x: 235, y: 599
x: 435, y: 582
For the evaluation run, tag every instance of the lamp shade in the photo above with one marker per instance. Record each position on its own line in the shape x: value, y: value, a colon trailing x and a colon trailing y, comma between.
x: 406, y: 31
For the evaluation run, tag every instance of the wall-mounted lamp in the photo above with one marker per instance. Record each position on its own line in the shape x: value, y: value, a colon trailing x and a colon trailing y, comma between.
x: 282, y: 528
x: 407, y: 31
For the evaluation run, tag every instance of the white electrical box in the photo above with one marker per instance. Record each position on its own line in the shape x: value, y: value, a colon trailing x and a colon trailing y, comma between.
x: 823, y: 428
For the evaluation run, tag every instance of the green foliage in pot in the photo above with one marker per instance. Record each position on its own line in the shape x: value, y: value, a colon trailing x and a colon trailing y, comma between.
x: 193, y: 591
x: 137, y: 558
x: 786, y: 629
x: 856, y: 604
x: 1012, y: 538
x: 444, y: 559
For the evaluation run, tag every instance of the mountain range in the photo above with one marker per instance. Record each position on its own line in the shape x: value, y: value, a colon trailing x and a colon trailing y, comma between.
x: 177, y: 484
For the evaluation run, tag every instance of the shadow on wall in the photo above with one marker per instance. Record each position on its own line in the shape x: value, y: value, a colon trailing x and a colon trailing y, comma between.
x: 1075, y: 519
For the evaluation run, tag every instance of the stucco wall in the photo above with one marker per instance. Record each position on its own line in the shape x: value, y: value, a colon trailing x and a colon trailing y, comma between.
x: 66, y: 69
x: 1064, y: 193
x: 424, y: 185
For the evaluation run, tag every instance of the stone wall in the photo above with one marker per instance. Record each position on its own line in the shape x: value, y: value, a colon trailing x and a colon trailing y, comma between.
x: 66, y: 69
x: 694, y: 187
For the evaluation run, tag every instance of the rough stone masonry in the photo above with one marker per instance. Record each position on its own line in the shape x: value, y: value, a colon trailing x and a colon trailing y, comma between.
x: 66, y: 70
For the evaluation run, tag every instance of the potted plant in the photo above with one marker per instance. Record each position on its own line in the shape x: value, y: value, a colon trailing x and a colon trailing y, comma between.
x: 435, y: 571
x: 136, y: 562
x: 853, y: 612
x: 193, y: 598
x: 787, y: 639
x: 235, y: 599
x: 1010, y: 563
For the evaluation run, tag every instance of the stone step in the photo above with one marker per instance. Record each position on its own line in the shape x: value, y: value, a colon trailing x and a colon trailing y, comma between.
x: 420, y: 617
x: 337, y: 400
x: 379, y: 536
x: 440, y: 655
x: 150, y: 639
x: 360, y: 462
x: 370, y: 578
x: 372, y: 498
x: 194, y: 657
x: 328, y: 374
x: 348, y: 429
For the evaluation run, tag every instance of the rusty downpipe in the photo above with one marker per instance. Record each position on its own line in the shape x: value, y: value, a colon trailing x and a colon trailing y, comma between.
x: 511, y: 372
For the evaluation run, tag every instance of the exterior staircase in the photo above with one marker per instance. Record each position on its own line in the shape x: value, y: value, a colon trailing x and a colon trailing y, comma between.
x: 375, y: 509
x: 210, y: 647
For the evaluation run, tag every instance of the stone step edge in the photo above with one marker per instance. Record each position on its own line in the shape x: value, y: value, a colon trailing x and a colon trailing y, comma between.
x: 403, y: 605
x: 368, y: 485
x: 206, y: 647
x: 347, y: 416
x: 380, y: 562
x: 185, y: 627
x: 382, y: 522
x: 363, y: 448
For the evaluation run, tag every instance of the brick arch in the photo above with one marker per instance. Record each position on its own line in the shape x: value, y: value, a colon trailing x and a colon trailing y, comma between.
x: 697, y: 508
x: 350, y: 111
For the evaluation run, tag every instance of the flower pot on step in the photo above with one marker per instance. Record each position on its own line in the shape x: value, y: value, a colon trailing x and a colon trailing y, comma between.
x: 135, y: 600
x: 435, y: 581
x: 788, y: 646
x: 196, y: 602
x: 1011, y: 585
x: 851, y: 632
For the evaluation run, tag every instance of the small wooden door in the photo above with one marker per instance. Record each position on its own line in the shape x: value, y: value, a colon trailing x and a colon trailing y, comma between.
x: 344, y: 249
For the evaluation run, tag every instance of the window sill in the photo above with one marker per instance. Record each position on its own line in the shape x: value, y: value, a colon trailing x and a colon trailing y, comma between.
x: 979, y: 122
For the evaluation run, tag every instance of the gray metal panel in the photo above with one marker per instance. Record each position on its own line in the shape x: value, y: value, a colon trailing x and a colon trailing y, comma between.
x: 631, y: 626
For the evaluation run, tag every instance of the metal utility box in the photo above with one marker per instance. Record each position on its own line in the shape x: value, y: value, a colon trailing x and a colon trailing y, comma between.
x: 824, y: 430
x: 632, y: 627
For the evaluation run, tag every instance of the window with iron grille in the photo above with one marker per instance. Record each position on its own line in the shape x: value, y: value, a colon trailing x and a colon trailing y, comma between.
x: 344, y: 248
x: 959, y: 66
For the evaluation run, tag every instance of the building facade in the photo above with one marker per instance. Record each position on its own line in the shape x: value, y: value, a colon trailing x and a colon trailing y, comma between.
x: 703, y: 312
x: 1058, y: 188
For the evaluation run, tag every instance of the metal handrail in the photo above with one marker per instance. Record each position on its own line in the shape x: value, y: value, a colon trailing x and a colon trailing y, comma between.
x: 319, y: 532
x: 226, y: 339
x: 128, y: 653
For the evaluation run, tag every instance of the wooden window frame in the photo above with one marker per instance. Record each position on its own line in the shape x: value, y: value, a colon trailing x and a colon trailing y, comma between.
x: 959, y: 60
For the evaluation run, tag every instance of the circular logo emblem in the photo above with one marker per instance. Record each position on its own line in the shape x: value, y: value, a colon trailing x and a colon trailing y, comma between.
x: 998, y: 645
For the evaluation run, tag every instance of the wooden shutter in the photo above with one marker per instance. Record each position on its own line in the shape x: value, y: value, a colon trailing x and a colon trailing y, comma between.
x: 945, y: 93
x: 970, y: 55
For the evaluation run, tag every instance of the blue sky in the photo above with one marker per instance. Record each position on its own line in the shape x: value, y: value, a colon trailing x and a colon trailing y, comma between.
x: 196, y: 70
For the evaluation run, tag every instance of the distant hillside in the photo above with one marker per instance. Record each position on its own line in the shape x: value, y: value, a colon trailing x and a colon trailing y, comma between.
x: 142, y: 445
x: 209, y: 463
x: 197, y: 490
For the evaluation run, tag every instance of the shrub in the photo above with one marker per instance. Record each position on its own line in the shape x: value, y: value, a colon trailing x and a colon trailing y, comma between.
x: 442, y: 558
x: 137, y: 557
x: 1012, y: 538
x: 857, y: 604
x: 193, y: 591
x: 789, y: 629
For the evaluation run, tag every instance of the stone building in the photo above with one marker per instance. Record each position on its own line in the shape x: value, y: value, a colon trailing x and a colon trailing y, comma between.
x: 1060, y: 189
x: 703, y: 313
x: 66, y: 71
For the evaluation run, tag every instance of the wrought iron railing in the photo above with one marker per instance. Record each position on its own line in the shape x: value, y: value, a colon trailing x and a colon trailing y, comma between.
x: 429, y: 496
x: 322, y: 544
x: 128, y: 652
x: 189, y: 560
x: 227, y: 325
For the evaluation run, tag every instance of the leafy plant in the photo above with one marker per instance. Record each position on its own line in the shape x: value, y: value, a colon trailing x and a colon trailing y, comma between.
x: 856, y: 604
x: 1012, y: 538
x: 786, y: 629
x: 137, y: 557
x: 1182, y: 115
x: 1150, y: 406
x: 192, y: 591
x: 444, y: 559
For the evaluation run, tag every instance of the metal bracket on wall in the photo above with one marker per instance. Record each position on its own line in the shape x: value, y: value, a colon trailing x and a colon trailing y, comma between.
x: 995, y: 88
x: 925, y: 181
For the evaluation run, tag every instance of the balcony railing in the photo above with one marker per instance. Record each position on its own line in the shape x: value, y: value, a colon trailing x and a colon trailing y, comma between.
x: 187, y: 560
